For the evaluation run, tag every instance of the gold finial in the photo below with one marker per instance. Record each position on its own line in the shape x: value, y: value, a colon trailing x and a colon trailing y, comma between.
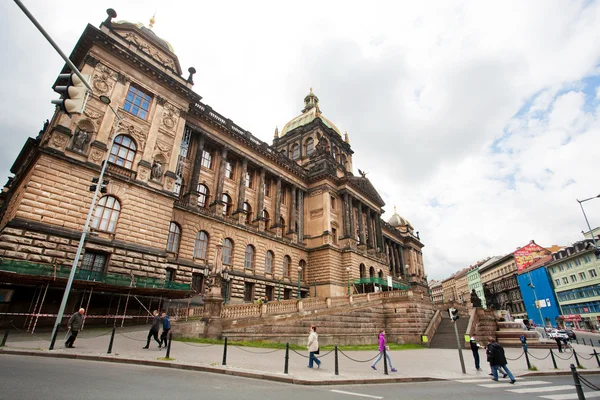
x: 276, y: 136
x: 311, y: 90
x: 346, y: 138
x: 395, y: 212
x: 152, y: 21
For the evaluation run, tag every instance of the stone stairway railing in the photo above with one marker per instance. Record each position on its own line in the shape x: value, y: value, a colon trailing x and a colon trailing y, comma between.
x: 432, y: 327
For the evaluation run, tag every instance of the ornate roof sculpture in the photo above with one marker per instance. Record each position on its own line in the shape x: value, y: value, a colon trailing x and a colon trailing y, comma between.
x: 310, y: 112
x: 397, y: 221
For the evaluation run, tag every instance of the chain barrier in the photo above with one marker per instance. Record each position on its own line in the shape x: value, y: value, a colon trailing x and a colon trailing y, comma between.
x: 515, y: 359
x: 531, y: 355
x: 256, y: 352
x: 96, y: 336
x: 131, y: 338
x: 591, y: 356
x: 302, y: 355
x: 326, y: 354
x: 196, y: 344
x: 359, y: 361
x: 588, y: 383
x: 564, y: 359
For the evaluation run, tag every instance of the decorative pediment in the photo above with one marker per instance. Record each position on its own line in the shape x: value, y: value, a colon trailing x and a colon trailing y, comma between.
x: 153, y: 51
x: 364, y: 186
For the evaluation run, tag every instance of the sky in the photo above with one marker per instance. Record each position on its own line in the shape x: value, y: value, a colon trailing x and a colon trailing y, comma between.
x: 479, y: 120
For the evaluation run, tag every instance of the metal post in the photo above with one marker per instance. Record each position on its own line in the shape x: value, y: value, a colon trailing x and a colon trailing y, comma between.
x: 348, y: 270
x: 460, y: 354
x: 278, y: 289
x: 87, y: 307
x: 385, y: 366
x: 86, y: 226
x: 40, y: 309
x: 576, y: 358
x: 108, y: 311
x: 527, y: 359
x: 596, y: 355
x: 225, y: 352
x: 37, y: 301
x: 8, y: 330
x: 117, y: 311
x: 287, y: 358
x: 112, y: 339
x: 299, y: 272
x: 588, y: 222
x: 337, y: 369
x: 169, y: 346
x: 578, y: 388
x: 315, y: 288
x: 125, y: 309
x: 553, y: 359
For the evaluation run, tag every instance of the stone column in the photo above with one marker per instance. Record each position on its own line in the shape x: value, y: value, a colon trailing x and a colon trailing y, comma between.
x: 220, y: 182
x: 193, y: 196
x: 300, y: 216
x: 351, y: 221
x: 361, y: 225
x: 260, y: 202
x: 369, y: 229
x: 242, y: 186
x: 379, y: 233
x: 346, y: 215
x: 387, y: 248
x: 292, y: 227
x: 398, y: 269
x: 401, y: 252
x: 277, y: 217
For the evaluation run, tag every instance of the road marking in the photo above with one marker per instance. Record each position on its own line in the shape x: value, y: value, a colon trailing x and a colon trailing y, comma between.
x: 503, y: 385
x: 570, y: 396
x: 546, y: 389
x: 357, y: 394
x: 480, y: 380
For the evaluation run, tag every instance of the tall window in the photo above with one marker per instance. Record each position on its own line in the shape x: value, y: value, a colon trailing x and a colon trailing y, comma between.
x: 362, y: 270
x: 174, y: 237
x: 302, y: 264
x: 227, y: 251
x: 267, y: 187
x: 295, y: 152
x: 137, y: 102
x: 202, y: 195
x: 269, y: 262
x: 249, y: 180
x: 310, y: 146
x: 582, y: 276
x: 283, y: 199
x: 265, y: 216
x: 334, y: 152
x: 229, y: 169
x: 249, y: 257
x: 93, y: 264
x: 226, y: 204
x: 206, y: 159
x: 593, y: 273
x: 123, y: 151
x: 287, y: 262
x: 201, y: 245
x: 106, y: 214
x: 282, y: 223
x: 248, y: 209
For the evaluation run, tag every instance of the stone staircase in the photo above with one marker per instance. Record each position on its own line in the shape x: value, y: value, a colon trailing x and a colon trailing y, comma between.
x: 445, y: 337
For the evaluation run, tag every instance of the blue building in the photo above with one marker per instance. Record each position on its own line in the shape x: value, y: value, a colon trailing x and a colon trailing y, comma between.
x: 538, y: 293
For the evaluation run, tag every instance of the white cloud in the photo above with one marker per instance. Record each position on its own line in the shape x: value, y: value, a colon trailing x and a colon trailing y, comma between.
x: 470, y: 116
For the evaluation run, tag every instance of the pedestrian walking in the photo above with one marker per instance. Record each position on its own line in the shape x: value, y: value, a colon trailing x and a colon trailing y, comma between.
x: 500, y: 370
x: 558, y: 343
x: 75, y: 323
x: 475, y: 349
x: 166, y: 322
x: 523, y: 339
x: 313, y: 347
x: 383, y: 346
x: 154, y: 330
x: 497, y: 359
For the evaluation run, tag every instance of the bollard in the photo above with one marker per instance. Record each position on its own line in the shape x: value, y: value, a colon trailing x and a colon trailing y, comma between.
x: 53, y: 340
x: 225, y: 352
x: 527, y: 358
x: 592, y: 342
x: 577, y: 340
x: 287, y: 358
x: 337, y: 369
x: 576, y: 358
x: 583, y: 340
x: 596, y: 355
x: 5, y: 336
x: 385, y: 371
x: 169, y: 346
x: 553, y: 359
x: 578, y: 388
x: 112, y: 339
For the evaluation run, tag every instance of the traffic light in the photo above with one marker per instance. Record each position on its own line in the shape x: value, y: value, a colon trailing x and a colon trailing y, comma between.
x: 73, y: 95
x: 94, y: 185
x: 453, y: 313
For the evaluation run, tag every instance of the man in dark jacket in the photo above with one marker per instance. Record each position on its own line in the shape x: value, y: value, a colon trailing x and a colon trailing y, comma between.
x: 154, y: 330
x: 497, y: 359
x: 75, y: 323
x: 166, y: 329
x: 475, y: 349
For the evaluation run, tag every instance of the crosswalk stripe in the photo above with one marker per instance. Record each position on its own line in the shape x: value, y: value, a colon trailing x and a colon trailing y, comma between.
x: 480, y: 380
x: 571, y: 396
x: 541, y: 390
x: 505, y: 385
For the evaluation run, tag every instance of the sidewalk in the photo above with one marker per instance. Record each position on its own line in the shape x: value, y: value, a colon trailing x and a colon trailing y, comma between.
x: 412, y: 365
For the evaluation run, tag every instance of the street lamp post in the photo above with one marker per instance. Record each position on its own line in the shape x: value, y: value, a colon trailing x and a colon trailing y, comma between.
x: 63, y: 304
x: 348, y: 271
x: 278, y: 289
x: 530, y: 284
x: 226, y: 280
x: 299, y: 274
x: 588, y: 222
x: 315, y: 288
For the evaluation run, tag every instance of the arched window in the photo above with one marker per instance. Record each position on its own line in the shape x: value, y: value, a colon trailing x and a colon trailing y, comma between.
x: 106, y: 214
x: 295, y: 151
x: 265, y: 216
x: 227, y: 251
x: 371, y: 272
x: 363, y: 271
x: 287, y: 262
x: 325, y: 144
x: 248, y: 209
x: 123, y: 151
x: 302, y: 264
x: 202, y: 195
x: 249, y: 257
x: 380, y: 274
x: 282, y: 223
x: 269, y: 256
x: 310, y: 146
x: 174, y: 237
x: 343, y: 160
x: 334, y: 152
x: 226, y: 199
x: 201, y: 245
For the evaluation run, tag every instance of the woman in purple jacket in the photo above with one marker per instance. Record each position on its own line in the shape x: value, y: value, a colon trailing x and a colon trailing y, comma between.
x: 382, y: 346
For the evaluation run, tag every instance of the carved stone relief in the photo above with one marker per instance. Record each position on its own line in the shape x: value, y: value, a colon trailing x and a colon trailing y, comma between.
x: 59, y: 140
x: 150, y: 50
x: 94, y: 116
x: 163, y: 148
x: 104, y: 78
x: 169, y: 117
x: 96, y: 155
x: 136, y: 132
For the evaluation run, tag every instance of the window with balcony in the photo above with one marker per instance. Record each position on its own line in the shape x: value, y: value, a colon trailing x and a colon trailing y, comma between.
x: 286, y: 264
x: 227, y: 204
x: 228, y: 251
x: 137, y: 102
x: 201, y: 245
x: 249, y: 179
x: 174, y: 238
x: 106, y: 214
x: 248, y: 209
x: 123, y: 151
x: 202, y: 195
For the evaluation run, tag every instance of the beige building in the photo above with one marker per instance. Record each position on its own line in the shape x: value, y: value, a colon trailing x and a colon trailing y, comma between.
x: 449, y: 289
x: 462, y: 286
x: 183, y: 178
x: 437, y: 292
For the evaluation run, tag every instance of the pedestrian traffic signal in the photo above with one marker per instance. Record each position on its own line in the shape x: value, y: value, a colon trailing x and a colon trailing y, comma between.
x: 94, y: 185
x: 453, y: 313
x: 73, y: 94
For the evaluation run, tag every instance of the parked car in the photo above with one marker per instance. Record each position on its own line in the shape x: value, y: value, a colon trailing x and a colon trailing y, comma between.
x: 555, y: 333
x: 570, y: 333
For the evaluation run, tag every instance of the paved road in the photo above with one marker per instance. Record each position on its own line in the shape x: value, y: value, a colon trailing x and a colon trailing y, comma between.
x: 48, y: 378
